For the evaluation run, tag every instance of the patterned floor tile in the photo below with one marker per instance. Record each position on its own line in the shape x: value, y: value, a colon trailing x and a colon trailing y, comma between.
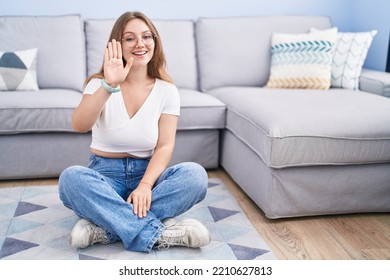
x: 86, y: 257
x: 35, y: 225
x: 41, y: 235
x: 250, y: 239
x: 12, y: 246
x: 2, y: 239
x: 41, y: 252
x: 8, y: 207
x: 12, y: 193
x: 246, y: 253
x: 26, y: 207
x: 20, y: 225
x: 221, y: 252
x: 230, y: 232
x: 227, y: 203
x: 61, y: 243
x: 48, y: 199
x: 4, y: 225
x: 114, y: 251
x: 202, y: 214
x: 239, y: 219
x: 220, y: 214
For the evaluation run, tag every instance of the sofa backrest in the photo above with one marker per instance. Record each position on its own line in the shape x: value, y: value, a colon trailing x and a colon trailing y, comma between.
x: 178, y: 42
x: 60, y: 42
x: 236, y: 51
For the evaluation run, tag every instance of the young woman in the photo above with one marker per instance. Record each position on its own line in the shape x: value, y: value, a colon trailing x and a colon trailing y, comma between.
x: 127, y: 192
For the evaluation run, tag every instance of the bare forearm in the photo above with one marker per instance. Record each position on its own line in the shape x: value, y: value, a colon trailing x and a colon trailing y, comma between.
x: 91, y: 106
x: 158, y: 163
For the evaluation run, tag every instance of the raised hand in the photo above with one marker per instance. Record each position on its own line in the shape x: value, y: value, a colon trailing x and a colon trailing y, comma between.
x: 114, y: 71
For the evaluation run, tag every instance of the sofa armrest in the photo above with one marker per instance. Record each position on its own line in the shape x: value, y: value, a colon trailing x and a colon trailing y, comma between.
x: 375, y: 81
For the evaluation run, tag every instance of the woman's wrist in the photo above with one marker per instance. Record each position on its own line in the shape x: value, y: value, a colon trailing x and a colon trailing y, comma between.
x: 146, y: 183
x: 110, y: 88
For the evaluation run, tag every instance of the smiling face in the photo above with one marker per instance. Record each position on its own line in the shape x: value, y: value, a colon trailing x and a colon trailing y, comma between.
x: 138, y: 42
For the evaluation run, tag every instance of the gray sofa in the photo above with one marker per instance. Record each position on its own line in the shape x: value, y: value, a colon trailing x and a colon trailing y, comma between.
x: 294, y: 152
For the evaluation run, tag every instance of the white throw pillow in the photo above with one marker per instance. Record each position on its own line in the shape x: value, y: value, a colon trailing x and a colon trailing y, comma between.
x: 350, y: 52
x: 18, y: 70
x: 302, y: 60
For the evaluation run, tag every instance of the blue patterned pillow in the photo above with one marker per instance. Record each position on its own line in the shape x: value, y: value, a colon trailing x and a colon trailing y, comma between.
x: 350, y: 52
x: 18, y: 70
x: 302, y: 60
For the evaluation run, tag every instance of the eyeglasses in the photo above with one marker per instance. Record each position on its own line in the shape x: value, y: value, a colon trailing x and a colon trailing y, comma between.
x: 132, y: 40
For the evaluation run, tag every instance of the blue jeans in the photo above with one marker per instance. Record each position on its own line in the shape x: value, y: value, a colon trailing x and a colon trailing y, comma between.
x: 98, y: 193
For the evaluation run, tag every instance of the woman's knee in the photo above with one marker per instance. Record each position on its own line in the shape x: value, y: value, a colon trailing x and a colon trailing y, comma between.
x: 197, y: 176
x: 70, y: 177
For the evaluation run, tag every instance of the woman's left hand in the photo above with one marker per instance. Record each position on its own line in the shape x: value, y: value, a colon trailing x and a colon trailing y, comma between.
x: 141, y: 198
x: 114, y: 71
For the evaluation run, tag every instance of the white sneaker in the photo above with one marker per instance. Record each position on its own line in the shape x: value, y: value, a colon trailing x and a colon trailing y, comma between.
x: 187, y: 233
x: 169, y: 222
x: 85, y: 233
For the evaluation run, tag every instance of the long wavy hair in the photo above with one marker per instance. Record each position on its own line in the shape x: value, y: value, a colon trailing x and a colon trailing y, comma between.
x: 156, y: 66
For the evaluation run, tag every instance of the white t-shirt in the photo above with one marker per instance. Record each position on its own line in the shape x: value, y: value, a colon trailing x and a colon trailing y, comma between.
x: 115, y: 132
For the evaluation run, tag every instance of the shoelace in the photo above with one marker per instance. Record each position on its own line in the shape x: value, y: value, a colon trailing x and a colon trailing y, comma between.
x: 97, y: 234
x: 162, y: 245
x: 166, y: 241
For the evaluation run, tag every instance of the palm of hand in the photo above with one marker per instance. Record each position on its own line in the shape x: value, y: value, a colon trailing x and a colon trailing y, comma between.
x: 114, y: 72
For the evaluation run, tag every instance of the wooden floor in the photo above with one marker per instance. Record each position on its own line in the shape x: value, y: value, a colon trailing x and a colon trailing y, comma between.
x: 341, y: 237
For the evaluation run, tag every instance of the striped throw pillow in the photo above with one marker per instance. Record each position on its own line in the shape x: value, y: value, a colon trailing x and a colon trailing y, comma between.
x: 302, y: 60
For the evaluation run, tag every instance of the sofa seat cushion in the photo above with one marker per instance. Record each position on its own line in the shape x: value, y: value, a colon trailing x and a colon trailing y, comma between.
x: 46, y: 110
x: 300, y: 127
x: 51, y: 110
x: 200, y: 111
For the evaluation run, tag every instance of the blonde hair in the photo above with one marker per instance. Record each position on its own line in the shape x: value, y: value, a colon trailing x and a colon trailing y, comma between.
x: 156, y: 66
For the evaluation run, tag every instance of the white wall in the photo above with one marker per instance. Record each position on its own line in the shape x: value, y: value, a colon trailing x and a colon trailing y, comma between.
x: 170, y: 9
x: 368, y: 15
x: 347, y: 15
